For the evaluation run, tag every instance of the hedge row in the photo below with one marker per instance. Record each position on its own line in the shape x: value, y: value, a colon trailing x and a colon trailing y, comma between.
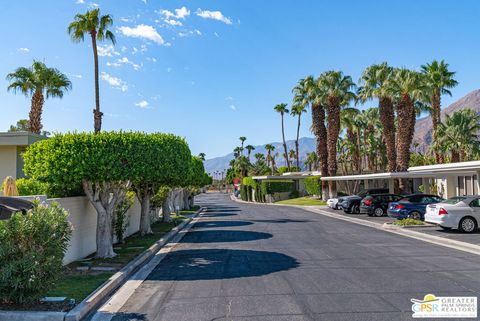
x: 277, y: 186
x: 313, y: 185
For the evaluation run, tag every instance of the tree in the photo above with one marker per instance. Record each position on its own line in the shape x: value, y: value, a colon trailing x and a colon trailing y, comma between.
x: 298, y: 110
x: 249, y: 148
x: 96, y: 26
x: 311, y: 161
x: 375, y: 84
x: 337, y: 92
x: 438, y: 80
x: 242, y: 141
x: 21, y: 126
x: 269, y: 148
x: 282, y: 110
x: 407, y: 86
x: 242, y: 164
x: 459, y: 136
x: 38, y: 82
x: 202, y: 156
x: 161, y: 160
x: 292, y: 154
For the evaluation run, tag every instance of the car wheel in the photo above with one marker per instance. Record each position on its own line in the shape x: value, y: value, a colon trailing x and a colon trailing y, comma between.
x: 355, y: 209
x: 468, y: 225
x: 378, y: 212
x: 336, y: 207
x: 415, y: 215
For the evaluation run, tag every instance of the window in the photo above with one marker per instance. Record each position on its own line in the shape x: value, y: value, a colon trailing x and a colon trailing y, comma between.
x: 454, y: 200
x: 415, y: 199
x: 475, y: 203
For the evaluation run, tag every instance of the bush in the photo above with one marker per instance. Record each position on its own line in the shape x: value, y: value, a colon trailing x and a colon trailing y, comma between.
x: 277, y: 186
x: 313, y: 185
x: 31, y: 251
x: 294, y: 194
x: 284, y: 169
x: 408, y: 221
x: 27, y: 187
x: 243, y: 193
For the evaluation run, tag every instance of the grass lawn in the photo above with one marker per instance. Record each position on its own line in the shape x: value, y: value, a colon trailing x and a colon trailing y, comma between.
x: 407, y: 222
x: 79, y: 284
x: 190, y: 211
x: 307, y: 201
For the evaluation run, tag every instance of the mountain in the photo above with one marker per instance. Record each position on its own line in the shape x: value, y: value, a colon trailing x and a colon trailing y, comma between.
x: 423, y: 127
x: 306, y: 145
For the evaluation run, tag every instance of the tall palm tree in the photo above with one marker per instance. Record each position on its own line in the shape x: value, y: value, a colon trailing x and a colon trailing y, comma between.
x: 337, y: 90
x: 249, y: 149
x: 282, y: 110
x: 237, y: 151
x: 269, y: 148
x: 375, y: 84
x: 459, y: 135
x: 408, y: 87
x: 242, y: 164
x: 96, y: 26
x: 202, y: 156
x: 259, y: 157
x: 292, y: 154
x: 350, y: 121
x: 38, y: 82
x: 307, y: 92
x: 242, y: 140
x: 298, y: 110
x: 438, y: 80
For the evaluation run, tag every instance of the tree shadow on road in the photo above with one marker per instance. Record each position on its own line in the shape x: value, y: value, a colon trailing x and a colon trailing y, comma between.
x: 218, y: 214
x: 124, y: 316
x: 282, y: 220
x: 213, y: 264
x: 207, y: 224
x: 221, y: 236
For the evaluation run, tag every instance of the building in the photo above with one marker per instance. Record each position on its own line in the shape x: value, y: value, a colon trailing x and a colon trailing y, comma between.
x: 12, y: 147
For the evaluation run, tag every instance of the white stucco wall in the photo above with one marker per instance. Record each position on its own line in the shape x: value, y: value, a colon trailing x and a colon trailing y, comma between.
x: 83, y: 218
x: 8, y: 162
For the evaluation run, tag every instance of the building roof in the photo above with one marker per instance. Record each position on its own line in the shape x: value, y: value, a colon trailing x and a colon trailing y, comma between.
x: 19, y: 138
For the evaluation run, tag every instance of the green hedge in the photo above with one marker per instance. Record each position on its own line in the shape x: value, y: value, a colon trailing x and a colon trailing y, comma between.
x: 313, y: 185
x: 277, y: 186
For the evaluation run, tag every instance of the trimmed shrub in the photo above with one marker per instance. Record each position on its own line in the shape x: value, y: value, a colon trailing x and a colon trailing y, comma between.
x: 32, y: 247
x: 277, y: 186
x: 313, y: 185
x: 284, y: 169
x: 294, y: 194
x: 243, y: 193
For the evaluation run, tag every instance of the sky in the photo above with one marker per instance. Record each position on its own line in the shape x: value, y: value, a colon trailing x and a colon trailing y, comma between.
x: 212, y: 71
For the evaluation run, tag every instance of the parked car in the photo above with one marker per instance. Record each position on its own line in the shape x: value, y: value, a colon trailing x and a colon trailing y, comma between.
x: 377, y: 205
x: 334, y: 203
x: 351, y: 204
x: 10, y: 205
x: 412, y: 206
x: 461, y: 212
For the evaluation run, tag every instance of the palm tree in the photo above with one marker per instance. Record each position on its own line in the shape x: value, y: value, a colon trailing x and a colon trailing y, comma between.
x: 307, y: 92
x: 38, y: 82
x: 242, y: 140
x: 269, y: 148
x: 375, y: 84
x: 298, y: 110
x: 459, y: 135
x: 282, y: 110
x: 259, y: 157
x: 407, y: 86
x: 292, y: 154
x: 237, y: 151
x: 337, y: 92
x: 311, y: 161
x: 202, y: 156
x: 249, y: 149
x: 96, y: 26
x: 438, y: 80
x: 352, y: 124
x: 242, y: 164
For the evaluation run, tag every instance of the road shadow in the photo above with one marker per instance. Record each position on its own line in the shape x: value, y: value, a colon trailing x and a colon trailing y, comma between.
x: 207, y: 224
x: 218, y: 214
x: 220, y: 264
x: 284, y: 220
x: 123, y: 316
x: 228, y: 210
x: 454, y: 231
x: 221, y: 236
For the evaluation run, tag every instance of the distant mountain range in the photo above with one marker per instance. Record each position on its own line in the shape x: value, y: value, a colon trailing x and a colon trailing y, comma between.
x: 423, y: 135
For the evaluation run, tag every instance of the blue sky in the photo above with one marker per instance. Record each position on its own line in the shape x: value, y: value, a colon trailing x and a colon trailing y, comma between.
x: 212, y: 71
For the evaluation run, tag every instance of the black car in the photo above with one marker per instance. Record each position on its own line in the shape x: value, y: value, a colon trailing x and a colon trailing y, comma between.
x: 377, y: 205
x: 351, y: 204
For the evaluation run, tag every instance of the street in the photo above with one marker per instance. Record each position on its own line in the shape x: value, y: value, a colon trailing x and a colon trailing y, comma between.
x: 258, y: 262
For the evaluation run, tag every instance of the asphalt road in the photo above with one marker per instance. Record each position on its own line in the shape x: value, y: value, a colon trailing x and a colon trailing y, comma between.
x: 251, y: 262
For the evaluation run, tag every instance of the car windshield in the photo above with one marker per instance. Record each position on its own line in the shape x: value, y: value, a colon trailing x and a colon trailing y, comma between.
x: 454, y: 200
x: 362, y: 194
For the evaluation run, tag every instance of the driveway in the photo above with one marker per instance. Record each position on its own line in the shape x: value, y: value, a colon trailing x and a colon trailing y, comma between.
x: 254, y: 262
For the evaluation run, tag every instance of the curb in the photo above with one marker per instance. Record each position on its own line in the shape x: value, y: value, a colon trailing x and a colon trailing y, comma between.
x: 104, y: 290
x: 408, y: 232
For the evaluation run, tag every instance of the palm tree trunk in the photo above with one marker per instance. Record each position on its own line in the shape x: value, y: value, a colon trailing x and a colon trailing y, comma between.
x: 320, y: 132
x: 387, y: 118
x: 406, y: 117
x: 435, y: 122
x: 97, y: 114
x: 35, y: 122
x: 332, y: 137
x: 296, y: 142
x: 285, y: 145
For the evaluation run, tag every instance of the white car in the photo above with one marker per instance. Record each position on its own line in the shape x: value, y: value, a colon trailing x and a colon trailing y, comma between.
x: 333, y: 203
x: 461, y: 212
